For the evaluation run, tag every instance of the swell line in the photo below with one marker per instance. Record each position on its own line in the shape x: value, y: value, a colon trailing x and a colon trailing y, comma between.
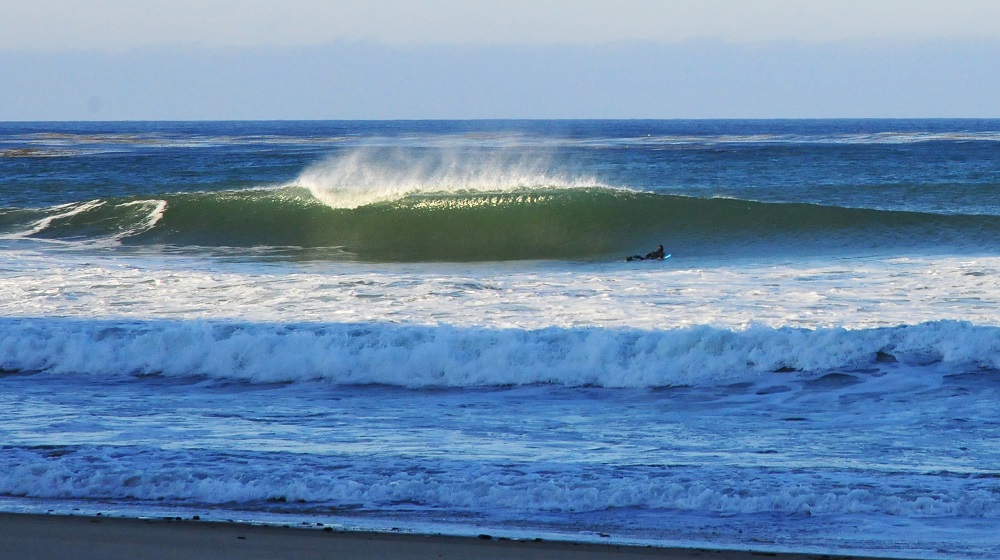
x: 512, y: 224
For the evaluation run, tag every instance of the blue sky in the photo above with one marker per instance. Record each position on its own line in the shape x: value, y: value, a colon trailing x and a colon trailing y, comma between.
x: 305, y: 59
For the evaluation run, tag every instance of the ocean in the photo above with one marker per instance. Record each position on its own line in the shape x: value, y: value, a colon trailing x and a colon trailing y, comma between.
x: 430, y: 326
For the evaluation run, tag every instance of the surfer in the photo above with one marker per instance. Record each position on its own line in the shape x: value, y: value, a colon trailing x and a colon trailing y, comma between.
x: 653, y: 255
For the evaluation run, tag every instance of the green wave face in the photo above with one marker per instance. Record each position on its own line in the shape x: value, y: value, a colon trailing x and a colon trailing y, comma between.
x: 536, y: 223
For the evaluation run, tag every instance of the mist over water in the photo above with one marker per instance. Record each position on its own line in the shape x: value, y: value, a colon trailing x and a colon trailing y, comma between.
x: 364, y: 176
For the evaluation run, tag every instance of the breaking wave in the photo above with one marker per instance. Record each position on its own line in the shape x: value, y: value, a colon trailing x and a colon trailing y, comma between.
x: 374, y: 484
x: 539, y: 222
x: 370, y: 176
x: 397, y: 205
x: 420, y: 356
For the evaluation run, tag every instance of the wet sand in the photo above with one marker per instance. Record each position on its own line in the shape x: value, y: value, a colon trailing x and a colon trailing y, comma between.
x: 44, y: 537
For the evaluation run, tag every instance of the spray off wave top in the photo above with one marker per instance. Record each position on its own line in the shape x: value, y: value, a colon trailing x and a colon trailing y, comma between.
x: 369, y: 176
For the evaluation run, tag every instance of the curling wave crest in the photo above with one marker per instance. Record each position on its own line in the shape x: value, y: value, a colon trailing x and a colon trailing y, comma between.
x: 367, y: 176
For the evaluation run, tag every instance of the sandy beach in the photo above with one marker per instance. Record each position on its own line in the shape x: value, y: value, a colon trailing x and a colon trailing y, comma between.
x: 43, y: 537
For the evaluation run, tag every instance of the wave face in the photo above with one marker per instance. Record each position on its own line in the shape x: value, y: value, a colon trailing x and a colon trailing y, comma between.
x: 536, y: 222
x: 415, y: 356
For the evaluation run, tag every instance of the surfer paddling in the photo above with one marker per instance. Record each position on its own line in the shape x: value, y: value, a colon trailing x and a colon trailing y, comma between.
x: 652, y: 255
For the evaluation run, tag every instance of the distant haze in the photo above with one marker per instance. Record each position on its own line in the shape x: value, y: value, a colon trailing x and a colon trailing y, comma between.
x: 125, y: 24
x: 251, y: 59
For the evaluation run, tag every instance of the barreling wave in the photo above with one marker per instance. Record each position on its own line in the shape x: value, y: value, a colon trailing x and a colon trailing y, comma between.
x: 564, y: 221
x: 445, y: 356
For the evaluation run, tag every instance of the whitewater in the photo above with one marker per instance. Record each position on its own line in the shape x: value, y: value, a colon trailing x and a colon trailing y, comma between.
x: 431, y: 326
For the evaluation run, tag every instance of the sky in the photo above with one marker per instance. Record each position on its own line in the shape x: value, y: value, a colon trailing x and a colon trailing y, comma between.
x: 389, y: 59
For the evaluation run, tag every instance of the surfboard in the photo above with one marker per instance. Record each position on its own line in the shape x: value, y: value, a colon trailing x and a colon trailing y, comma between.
x: 630, y: 259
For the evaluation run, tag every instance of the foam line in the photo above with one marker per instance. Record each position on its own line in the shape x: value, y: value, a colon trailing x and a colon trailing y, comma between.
x: 419, y: 356
x: 385, y: 484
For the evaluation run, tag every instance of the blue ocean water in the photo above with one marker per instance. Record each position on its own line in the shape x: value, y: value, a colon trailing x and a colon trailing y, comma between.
x: 431, y: 326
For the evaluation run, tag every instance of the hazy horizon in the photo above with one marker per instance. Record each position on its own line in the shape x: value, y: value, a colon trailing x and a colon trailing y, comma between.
x: 443, y: 59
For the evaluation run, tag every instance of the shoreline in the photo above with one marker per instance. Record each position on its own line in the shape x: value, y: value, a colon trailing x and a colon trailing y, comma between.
x: 51, y: 536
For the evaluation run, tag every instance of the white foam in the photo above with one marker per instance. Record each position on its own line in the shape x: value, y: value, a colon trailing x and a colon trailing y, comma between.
x: 447, y: 356
x: 854, y: 293
x: 65, y: 211
x: 154, y: 210
x: 385, y: 484
x: 148, y: 214
x: 369, y: 175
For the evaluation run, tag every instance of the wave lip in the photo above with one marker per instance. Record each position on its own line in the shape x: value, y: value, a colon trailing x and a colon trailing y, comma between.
x: 443, y: 356
x: 367, y: 176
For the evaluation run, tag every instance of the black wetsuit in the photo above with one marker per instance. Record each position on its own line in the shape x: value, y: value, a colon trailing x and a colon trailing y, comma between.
x: 657, y: 254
